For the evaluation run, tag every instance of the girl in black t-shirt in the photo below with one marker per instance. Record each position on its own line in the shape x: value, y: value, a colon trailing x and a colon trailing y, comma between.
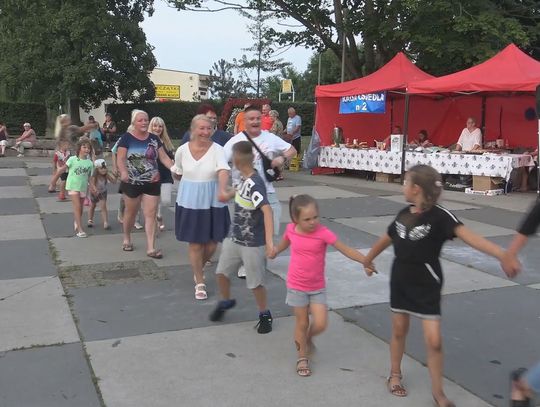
x: 418, y: 234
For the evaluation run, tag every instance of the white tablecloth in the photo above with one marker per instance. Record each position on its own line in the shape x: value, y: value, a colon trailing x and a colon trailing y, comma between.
x: 490, y: 165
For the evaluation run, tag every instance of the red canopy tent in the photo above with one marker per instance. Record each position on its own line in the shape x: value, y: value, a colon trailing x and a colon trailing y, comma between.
x: 394, y: 76
x: 500, y: 91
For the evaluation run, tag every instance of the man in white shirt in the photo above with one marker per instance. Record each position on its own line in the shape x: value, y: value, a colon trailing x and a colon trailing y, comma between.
x: 273, y: 147
x: 470, y: 138
x: 292, y: 132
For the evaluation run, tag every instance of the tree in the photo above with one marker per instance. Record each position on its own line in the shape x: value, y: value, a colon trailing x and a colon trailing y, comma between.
x: 58, y: 51
x: 222, y: 83
x: 461, y: 33
x: 263, y: 48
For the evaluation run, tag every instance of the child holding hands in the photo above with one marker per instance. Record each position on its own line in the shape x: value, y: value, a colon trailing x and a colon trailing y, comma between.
x: 80, y: 168
x: 250, y: 238
x: 98, y: 192
x: 306, y: 292
x: 418, y: 234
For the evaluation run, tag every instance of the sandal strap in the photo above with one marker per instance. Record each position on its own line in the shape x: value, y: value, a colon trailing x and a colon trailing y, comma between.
x: 200, y: 287
x: 394, y: 375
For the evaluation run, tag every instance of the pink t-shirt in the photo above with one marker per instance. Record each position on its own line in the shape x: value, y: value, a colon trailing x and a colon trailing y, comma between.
x: 308, y: 252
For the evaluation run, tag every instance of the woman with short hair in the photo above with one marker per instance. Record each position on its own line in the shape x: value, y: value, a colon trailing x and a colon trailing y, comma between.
x: 202, y: 219
x: 137, y: 160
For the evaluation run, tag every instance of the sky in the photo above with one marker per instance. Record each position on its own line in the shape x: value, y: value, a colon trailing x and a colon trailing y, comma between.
x: 193, y: 41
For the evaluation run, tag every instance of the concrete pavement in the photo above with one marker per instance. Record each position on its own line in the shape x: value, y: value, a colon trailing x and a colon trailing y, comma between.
x: 86, y: 324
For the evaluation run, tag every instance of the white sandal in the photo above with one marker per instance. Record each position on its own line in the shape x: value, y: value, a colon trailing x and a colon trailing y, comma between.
x: 200, y: 292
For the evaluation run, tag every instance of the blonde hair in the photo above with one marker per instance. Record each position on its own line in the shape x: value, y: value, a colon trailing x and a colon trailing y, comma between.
x: 134, y: 114
x: 58, y: 126
x: 166, y: 140
x: 197, y: 118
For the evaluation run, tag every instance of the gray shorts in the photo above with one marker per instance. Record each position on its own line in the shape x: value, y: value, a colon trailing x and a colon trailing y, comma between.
x: 297, y: 298
x: 234, y: 255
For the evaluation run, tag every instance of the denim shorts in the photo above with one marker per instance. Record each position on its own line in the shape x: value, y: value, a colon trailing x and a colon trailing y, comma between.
x: 533, y: 378
x: 297, y: 298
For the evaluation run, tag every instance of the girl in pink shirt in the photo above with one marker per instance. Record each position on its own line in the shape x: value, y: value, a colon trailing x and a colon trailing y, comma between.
x: 308, y: 240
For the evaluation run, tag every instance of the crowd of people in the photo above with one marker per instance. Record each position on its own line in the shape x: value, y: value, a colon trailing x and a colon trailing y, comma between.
x: 215, y: 168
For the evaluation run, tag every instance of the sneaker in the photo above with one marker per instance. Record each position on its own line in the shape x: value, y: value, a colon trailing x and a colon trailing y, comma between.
x: 242, y: 272
x: 81, y: 235
x: 218, y: 313
x: 138, y: 226
x: 20, y: 155
x: 264, y: 325
x: 62, y: 197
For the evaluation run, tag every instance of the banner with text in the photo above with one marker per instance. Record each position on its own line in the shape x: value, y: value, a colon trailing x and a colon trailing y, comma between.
x: 167, y: 91
x: 367, y: 103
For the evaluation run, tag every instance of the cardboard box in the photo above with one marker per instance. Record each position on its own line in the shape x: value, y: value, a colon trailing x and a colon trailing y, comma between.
x: 481, y: 183
x: 490, y: 192
x: 396, y: 143
x: 384, y: 177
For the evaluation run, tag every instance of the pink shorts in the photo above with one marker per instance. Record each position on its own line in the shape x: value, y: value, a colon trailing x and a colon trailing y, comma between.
x: 81, y: 194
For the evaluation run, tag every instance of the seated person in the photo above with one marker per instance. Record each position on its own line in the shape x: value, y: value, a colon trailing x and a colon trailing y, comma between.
x: 422, y: 140
x: 470, y: 138
x: 527, y: 175
x: 395, y: 130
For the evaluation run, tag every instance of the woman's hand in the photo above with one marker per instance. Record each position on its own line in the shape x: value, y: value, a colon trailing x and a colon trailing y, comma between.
x: 278, y: 162
x: 124, y: 177
x: 271, y: 251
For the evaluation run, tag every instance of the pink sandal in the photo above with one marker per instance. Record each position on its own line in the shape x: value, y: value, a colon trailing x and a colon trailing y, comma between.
x: 200, y: 292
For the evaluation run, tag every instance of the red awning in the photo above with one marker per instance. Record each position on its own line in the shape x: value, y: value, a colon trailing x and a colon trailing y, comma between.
x: 511, y: 70
x: 396, y: 74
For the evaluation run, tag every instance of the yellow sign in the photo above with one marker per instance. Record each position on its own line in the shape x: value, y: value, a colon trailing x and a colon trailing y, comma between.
x: 167, y: 91
x: 286, y: 86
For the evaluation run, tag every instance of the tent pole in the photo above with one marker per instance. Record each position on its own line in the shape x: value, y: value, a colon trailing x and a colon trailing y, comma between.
x: 537, y: 158
x: 405, y: 132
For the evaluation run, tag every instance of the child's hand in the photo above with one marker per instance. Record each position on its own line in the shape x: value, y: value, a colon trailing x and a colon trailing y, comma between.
x: 271, y: 251
x: 369, y: 269
x: 226, y: 194
x: 510, y: 264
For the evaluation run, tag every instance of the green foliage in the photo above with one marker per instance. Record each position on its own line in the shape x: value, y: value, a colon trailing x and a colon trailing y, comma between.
x: 221, y: 82
x: 305, y: 110
x: 441, y: 35
x: 178, y: 115
x: 57, y: 50
x: 15, y: 114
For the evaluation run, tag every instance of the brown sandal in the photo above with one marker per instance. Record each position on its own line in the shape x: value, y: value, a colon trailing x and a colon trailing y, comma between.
x: 397, y: 389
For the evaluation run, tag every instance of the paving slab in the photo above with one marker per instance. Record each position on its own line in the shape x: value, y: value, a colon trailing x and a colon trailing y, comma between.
x: 100, y: 248
x: 6, y: 162
x: 12, y: 172
x: 450, y: 205
x: 378, y: 225
x: 47, y: 163
x: 28, y: 258
x: 357, y: 207
x: 34, y: 312
x: 530, y: 258
x: 476, y: 344
x: 13, y: 181
x: 15, y: 192
x: 136, y: 308
x: 17, y: 227
x: 316, y: 191
x: 53, y: 376
x: 33, y: 171
x: 40, y: 180
x: 160, y: 369
x: 494, y: 216
x: 348, y: 286
x: 50, y: 204
x: 41, y: 191
x: 17, y: 206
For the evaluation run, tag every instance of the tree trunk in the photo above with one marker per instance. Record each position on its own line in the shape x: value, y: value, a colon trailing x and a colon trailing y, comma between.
x: 74, y: 110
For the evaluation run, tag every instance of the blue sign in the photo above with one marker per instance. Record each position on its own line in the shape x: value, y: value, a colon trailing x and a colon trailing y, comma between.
x: 367, y: 103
